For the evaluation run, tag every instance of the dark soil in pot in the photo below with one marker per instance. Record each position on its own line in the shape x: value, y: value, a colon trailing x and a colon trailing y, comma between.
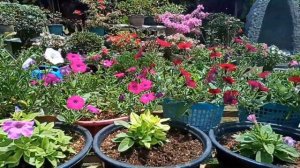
x: 104, y: 116
x: 189, y: 146
x: 229, y: 142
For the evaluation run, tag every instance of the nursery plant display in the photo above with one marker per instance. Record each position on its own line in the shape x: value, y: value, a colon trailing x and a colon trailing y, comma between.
x: 150, y: 137
x: 55, y: 20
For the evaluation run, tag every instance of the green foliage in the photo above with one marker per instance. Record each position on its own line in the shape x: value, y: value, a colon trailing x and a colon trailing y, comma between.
x: 135, y: 7
x: 221, y: 28
x: 84, y: 42
x: 29, y: 20
x: 169, y: 7
x: 263, y: 144
x: 145, y: 130
x: 46, y: 144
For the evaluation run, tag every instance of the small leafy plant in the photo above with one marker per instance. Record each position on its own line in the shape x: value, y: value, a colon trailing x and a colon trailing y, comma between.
x: 20, y: 140
x: 265, y: 145
x: 145, y: 130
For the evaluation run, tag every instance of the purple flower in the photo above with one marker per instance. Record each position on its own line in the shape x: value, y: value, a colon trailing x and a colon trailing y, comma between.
x: 289, y: 141
x: 51, y: 79
x: 66, y: 70
x: 159, y: 95
x: 93, y: 109
x: 15, y: 129
x: 28, y: 63
x: 252, y: 118
x: 122, y: 98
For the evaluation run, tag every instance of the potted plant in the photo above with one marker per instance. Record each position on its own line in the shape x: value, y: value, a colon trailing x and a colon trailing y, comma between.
x: 7, y: 22
x: 179, y: 23
x: 136, y: 10
x: 55, y: 20
x: 251, y: 145
x: 30, y: 143
x: 271, y: 101
x: 125, y: 145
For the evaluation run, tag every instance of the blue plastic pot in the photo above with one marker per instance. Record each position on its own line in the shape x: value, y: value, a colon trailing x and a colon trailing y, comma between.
x: 111, y: 163
x: 203, y: 116
x: 273, y: 113
x: 56, y: 29
x: 39, y: 73
x: 230, y: 159
x: 98, y: 30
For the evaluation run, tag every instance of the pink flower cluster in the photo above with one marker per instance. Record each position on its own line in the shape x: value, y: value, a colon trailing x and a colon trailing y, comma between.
x: 77, y: 63
x: 78, y: 103
x: 145, y: 85
x: 184, y: 23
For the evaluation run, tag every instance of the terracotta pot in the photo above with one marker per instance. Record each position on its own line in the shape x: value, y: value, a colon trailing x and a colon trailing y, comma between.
x: 137, y: 20
x: 95, y: 126
x: 170, y: 31
x: 46, y: 118
x: 6, y: 28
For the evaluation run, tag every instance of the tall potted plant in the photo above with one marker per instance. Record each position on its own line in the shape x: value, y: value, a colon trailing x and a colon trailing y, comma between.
x: 55, y: 25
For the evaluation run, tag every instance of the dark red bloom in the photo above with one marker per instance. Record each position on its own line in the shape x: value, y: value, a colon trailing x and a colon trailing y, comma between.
x: 228, y: 67
x: 139, y: 54
x: 238, y: 40
x: 263, y: 88
x: 250, y: 48
x: 264, y: 74
x: 184, y: 45
x: 185, y: 73
x: 105, y: 51
x: 191, y: 83
x: 215, y: 54
x: 214, y: 91
x: 258, y: 85
x: 231, y: 97
x: 177, y: 61
x: 163, y: 43
x: 211, y: 75
x: 294, y: 79
x: 228, y: 80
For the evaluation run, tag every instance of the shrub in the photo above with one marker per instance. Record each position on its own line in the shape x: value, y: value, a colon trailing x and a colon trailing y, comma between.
x: 84, y: 42
x: 29, y: 20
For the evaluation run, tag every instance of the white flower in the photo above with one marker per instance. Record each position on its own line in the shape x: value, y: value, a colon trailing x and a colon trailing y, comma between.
x: 53, y: 56
x: 27, y: 63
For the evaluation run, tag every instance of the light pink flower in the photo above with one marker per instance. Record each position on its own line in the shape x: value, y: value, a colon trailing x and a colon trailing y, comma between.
x: 93, y: 109
x: 252, y: 118
x: 120, y: 75
x: 15, y: 129
x: 294, y: 63
x: 108, y: 63
x: 147, y: 98
x: 75, y: 103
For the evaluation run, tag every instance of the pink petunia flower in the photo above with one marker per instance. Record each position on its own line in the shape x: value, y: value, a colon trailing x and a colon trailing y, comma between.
x: 78, y: 67
x: 145, y: 84
x: 74, y: 57
x: 134, y: 87
x: 93, y: 109
x: 15, y: 129
x: 131, y: 69
x: 120, y: 75
x: 75, y: 103
x: 252, y: 118
x: 108, y: 63
x: 50, y: 79
x: 147, y: 98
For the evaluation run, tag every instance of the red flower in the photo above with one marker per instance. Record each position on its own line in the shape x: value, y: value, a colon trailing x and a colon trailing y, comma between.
x: 228, y: 67
x: 163, y: 43
x: 229, y: 80
x: 211, y: 75
x: 105, y: 51
x: 238, y: 40
x: 139, y: 54
x: 263, y: 88
x: 184, y: 45
x: 250, y: 48
x: 185, y: 73
x: 215, y: 54
x: 177, y: 61
x: 214, y: 91
x: 264, y: 74
x: 231, y: 97
x: 294, y: 79
x: 258, y: 85
x: 77, y: 12
x: 191, y: 83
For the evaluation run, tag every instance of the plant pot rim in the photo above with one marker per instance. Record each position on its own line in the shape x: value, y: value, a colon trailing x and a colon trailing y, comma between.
x: 87, y: 146
x: 207, y: 146
x: 242, y: 125
x: 100, y: 123
x: 55, y: 24
x: 137, y: 15
x: 172, y: 101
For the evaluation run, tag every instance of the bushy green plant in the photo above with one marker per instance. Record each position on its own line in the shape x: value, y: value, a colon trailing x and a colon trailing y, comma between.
x: 170, y: 7
x: 84, y: 42
x: 220, y: 28
x: 263, y: 144
x: 145, y: 130
x: 29, y: 20
x: 135, y: 7
x: 45, y: 144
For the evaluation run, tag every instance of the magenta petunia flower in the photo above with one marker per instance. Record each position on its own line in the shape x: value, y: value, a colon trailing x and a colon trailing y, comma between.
x: 93, y: 109
x: 50, y: 79
x: 75, y: 103
x: 78, y: 67
x: 120, y: 75
x: 134, y: 87
x: 147, y: 98
x: 74, y: 57
x: 108, y: 63
x: 15, y: 129
x: 145, y: 84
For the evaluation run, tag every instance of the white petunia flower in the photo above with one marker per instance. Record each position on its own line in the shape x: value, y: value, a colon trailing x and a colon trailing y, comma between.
x: 53, y: 56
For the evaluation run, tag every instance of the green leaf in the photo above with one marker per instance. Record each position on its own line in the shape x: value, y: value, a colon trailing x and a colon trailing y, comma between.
x: 39, y: 162
x: 120, y: 137
x: 264, y: 157
x: 61, y: 118
x: 269, y: 148
x: 53, y: 161
x: 125, y: 144
x: 134, y: 118
x: 122, y: 123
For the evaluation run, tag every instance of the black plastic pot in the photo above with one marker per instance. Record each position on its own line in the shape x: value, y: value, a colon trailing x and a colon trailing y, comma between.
x: 76, y: 161
x: 230, y: 159
x: 111, y: 163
